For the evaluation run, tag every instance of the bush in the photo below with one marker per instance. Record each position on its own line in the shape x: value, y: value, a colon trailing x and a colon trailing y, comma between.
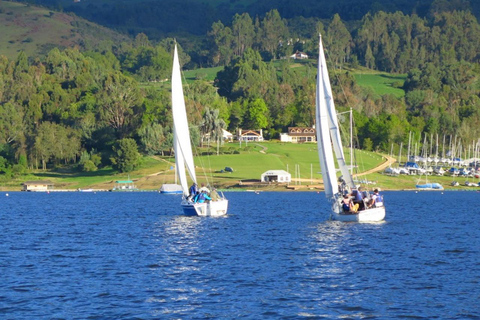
x: 125, y: 155
x: 89, y: 166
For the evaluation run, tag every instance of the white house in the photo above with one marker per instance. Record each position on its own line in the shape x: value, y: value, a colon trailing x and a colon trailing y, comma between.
x: 250, y: 135
x: 285, y: 137
x: 227, y: 136
x: 281, y: 176
x: 299, y: 135
x: 299, y: 55
x: 38, y: 186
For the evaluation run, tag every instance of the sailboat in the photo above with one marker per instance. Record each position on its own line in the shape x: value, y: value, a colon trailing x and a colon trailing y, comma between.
x: 426, y: 186
x: 183, y: 151
x: 328, y: 141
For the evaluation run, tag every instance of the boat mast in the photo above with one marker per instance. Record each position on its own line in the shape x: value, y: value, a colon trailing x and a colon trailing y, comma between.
x: 351, y: 141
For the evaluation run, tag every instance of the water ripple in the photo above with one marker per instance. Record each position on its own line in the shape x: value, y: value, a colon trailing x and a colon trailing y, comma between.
x: 275, y: 256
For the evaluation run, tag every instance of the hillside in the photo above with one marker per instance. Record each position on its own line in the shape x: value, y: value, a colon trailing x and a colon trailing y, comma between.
x: 167, y: 17
x: 37, y: 30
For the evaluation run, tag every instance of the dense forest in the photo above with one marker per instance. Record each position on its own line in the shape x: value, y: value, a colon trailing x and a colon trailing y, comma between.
x: 100, y: 107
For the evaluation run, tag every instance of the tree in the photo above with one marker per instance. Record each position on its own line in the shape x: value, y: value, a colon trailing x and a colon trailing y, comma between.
x: 273, y: 30
x: 152, y: 138
x: 118, y: 100
x: 339, y: 41
x: 221, y: 48
x: 11, y: 123
x: 256, y: 115
x: 212, y: 125
x: 243, y: 33
x: 126, y: 157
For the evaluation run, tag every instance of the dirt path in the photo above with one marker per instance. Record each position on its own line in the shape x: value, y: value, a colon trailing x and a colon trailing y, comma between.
x: 388, y: 162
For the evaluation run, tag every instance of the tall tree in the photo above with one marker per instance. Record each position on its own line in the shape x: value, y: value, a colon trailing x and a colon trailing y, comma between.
x: 119, y: 99
x: 243, y: 33
x: 273, y: 31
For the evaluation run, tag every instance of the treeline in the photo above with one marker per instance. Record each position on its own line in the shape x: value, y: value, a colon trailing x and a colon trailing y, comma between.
x: 99, y: 108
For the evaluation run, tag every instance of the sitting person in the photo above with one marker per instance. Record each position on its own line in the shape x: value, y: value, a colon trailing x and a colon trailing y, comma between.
x: 202, y: 197
x: 376, y: 200
x: 214, y: 195
x: 203, y: 188
x: 348, y: 206
x: 358, y: 198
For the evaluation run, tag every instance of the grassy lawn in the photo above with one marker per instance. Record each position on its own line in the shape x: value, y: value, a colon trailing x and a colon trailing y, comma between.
x: 249, y: 164
x: 381, y: 83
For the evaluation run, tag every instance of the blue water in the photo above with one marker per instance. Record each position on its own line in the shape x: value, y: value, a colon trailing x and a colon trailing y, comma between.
x: 275, y: 256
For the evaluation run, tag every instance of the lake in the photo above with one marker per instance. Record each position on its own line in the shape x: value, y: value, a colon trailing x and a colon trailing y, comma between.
x: 275, y: 256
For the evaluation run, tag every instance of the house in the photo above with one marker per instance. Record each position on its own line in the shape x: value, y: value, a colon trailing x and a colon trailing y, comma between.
x: 37, y: 186
x: 299, y: 55
x: 250, y: 135
x: 227, y: 136
x: 299, y: 135
x: 281, y: 176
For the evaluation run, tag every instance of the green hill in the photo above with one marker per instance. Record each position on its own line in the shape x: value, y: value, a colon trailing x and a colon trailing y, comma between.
x: 37, y: 30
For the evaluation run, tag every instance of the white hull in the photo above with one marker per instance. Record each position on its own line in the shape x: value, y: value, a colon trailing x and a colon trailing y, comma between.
x: 369, y: 215
x: 207, y: 209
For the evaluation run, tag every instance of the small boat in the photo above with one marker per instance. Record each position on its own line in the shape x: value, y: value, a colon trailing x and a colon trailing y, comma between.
x: 328, y: 134
x: 183, y: 151
x: 171, y: 188
x: 428, y: 185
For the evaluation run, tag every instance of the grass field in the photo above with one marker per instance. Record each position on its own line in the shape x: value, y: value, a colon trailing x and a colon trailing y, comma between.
x: 381, y: 83
x: 249, y: 164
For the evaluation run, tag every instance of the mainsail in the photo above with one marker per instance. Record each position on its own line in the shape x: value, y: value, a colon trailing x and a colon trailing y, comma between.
x: 181, y: 134
x: 324, y: 144
x: 332, y: 120
x: 328, y: 133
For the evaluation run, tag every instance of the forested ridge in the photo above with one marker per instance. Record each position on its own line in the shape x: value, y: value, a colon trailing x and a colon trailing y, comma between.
x: 106, y: 106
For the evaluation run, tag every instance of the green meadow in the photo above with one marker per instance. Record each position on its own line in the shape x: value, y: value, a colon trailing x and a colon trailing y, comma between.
x: 381, y: 83
x: 248, y: 163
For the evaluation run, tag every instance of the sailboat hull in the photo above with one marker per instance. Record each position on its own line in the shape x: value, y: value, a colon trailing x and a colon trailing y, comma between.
x: 206, y: 209
x: 369, y: 215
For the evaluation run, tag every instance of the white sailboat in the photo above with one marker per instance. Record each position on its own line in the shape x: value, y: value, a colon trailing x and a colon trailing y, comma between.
x: 328, y: 135
x: 183, y: 151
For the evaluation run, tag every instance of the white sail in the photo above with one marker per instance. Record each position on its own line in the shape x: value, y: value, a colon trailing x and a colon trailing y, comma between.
x: 324, y: 144
x: 181, y: 134
x: 332, y: 120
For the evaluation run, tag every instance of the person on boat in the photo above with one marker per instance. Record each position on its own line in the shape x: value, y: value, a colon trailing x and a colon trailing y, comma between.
x: 193, y: 191
x: 202, y: 197
x: 378, y: 199
x: 203, y: 188
x: 348, y: 206
x: 358, y: 198
x: 214, y: 195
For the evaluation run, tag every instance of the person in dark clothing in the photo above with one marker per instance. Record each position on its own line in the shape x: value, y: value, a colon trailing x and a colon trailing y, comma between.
x: 193, y: 191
